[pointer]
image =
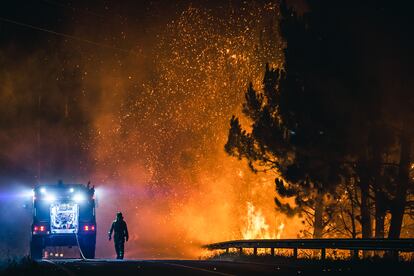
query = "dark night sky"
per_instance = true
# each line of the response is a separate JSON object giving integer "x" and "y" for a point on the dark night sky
{"x": 112, "y": 28}
{"x": 65, "y": 16}
{"x": 100, "y": 21}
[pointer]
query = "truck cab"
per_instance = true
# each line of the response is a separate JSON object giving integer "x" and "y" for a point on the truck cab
{"x": 63, "y": 215}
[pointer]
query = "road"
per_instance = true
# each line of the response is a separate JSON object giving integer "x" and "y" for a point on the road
{"x": 73, "y": 267}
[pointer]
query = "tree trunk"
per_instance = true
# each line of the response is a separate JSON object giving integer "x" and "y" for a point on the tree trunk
{"x": 399, "y": 203}
{"x": 365, "y": 207}
{"x": 379, "y": 216}
{"x": 380, "y": 212}
{"x": 380, "y": 197}
{"x": 354, "y": 231}
{"x": 318, "y": 220}
{"x": 352, "y": 196}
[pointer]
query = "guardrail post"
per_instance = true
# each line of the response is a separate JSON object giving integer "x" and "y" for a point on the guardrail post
{"x": 323, "y": 254}
{"x": 396, "y": 255}
{"x": 272, "y": 251}
{"x": 240, "y": 251}
{"x": 295, "y": 253}
{"x": 255, "y": 251}
{"x": 227, "y": 250}
{"x": 355, "y": 254}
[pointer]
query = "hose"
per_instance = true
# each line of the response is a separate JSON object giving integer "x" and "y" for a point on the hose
{"x": 79, "y": 247}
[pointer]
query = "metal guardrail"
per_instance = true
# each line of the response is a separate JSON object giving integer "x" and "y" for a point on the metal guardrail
{"x": 355, "y": 245}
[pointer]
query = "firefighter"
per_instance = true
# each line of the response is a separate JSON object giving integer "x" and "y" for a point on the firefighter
{"x": 120, "y": 229}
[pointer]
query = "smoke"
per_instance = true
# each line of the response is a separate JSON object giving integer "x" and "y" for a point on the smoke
{"x": 163, "y": 134}
{"x": 42, "y": 137}
{"x": 15, "y": 218}
{"x": 147, "y": 126}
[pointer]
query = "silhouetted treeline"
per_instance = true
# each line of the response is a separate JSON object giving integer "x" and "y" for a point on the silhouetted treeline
{"x": 337, "y": 120}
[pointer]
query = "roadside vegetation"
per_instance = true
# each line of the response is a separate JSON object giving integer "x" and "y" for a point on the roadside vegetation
{"x": 21, "y": 266}
{"x": 310, "y": 262}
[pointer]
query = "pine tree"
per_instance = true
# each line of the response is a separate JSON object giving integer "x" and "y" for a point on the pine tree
{"x": 335, "y": 113}
{"x": 296, "y": 153}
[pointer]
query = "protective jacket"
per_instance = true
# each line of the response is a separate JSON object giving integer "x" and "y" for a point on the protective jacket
{"x": 120, "y": 229}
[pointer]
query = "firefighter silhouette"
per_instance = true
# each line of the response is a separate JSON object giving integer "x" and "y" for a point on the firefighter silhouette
{"x": 120, "y": 229}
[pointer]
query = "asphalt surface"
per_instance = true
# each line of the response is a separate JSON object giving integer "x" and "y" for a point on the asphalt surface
{"x": 73, "y": 267}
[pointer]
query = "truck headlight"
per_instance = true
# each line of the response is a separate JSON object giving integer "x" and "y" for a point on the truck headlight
{"x": 50, "y": 197}
{"x": 79, "y": 197}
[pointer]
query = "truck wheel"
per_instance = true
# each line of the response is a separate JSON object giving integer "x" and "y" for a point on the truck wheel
{"x": 36, "y": 248}
{"x": 88, "y": 247}
{"x": 90, "y": 252}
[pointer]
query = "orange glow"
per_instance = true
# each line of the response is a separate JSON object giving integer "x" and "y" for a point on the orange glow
{"x": 159, "y": 141}
{"x": 256, "y": 226}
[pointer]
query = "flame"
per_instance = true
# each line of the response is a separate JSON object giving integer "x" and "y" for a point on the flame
{"x": 256, "y": 226}
{"x": 280, "y": 230}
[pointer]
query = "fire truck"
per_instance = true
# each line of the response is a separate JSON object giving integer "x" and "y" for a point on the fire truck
{"x": 63, "y": 215}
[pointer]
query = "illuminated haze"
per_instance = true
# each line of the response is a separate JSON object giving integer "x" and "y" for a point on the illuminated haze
{"x": 144, "y": 116}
